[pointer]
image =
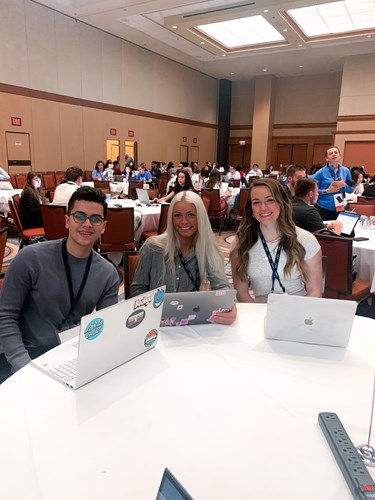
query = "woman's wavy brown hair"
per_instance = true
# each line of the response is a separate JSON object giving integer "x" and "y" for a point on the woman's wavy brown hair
{"x": 248, "y": 232}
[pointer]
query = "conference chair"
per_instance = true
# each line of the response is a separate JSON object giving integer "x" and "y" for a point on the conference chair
{"x": 162, "y": 187}
{"x": 162, "y": 223}
{"x": 339, "y": 282}
{"x": 53, "y": 217}
{"x": 25, "y": 234}
{"x": 49, "y": 183}
{"x": 366, "y": 199}
{"x": 119, "y": 231}
{"x": 240, "y": 210}
{"x": 13, "y": 179}
{"x": 59, "y": 178}
{"x": 103, "y": 186}
{"x": 152, "y": 193}
{"x": 130, "y": 260}
{"x": 207, "y": 204}
{"x": 361, "y": 208}
{"x": 3, "y": 243}
{"x": 215, "y": 212}
{"x": 20, "y": 181}
{"x": 87, "y": 175}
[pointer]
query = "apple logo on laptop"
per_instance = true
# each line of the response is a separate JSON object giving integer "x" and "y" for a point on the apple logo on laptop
{"x": 308, "y": 321}
{"x": 196, "y": 309}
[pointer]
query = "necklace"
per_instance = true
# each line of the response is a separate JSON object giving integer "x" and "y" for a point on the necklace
{"x": 274, "y": 240}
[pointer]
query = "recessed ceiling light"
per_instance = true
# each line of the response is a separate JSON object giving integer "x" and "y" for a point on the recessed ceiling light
{"x": 265, "y": 69}
{"x": 300, "y": 66}
{"x": 300, "y": 45}
{"x": 265, "y": 10}
{"x": 368, "y": 36}
{"x": 285, "y": 30}
{"x": 174, "y": 27}
{"x": 232, "y": 73}
{"x": 202, "y": 43}
{"x": 224, "y": 55}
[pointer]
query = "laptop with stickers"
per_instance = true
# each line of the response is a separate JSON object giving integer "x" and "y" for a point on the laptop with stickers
{"x": 195, "y": 308}
{"x": 107, "y": 339}
{"x": 309, "y": 320}
{"x": 144, "y": 197}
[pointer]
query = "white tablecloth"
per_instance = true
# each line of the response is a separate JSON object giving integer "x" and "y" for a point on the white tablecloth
{"x": 5, "y": 195}
{"x": 364, "y": 263}
{"x": 232, "y": 415}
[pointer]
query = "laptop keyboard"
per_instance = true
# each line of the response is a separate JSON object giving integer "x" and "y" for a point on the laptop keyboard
{"x": 66, "y": 371}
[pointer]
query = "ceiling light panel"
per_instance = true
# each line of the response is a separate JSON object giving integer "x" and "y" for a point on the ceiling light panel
{"x": 242, "y": 32}
{"x": 337, "y": 17}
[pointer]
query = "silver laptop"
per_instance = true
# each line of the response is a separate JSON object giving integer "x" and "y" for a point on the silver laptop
{"x": 195, "y": 308}
{"x": 309, "y": 320}
{"x": 107, "y": 339}
{"x": 144, "y": 197}
{"x": 171, "y": 489}
{"x": 6, "y": 185}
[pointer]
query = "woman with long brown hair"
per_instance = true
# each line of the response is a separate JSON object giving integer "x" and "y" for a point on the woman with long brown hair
{"x": 31, "y": 198}
{"x": 270, "y": 253}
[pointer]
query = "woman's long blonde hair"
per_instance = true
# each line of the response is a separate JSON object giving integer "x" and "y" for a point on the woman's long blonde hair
{"x": 248, "y": 232}
{"x": 209, "y": 256}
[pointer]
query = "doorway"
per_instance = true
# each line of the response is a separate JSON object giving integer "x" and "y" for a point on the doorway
{"x": 184, "y": 154}
{"x": 113, "y": 149}
{"x": 131, "y": 148}
{"x": 18, "y": 152}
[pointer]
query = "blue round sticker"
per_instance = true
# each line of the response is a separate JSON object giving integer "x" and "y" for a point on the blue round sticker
{"x": 159, "y": 298}
{"x": 94, "y": 329}
{"x": 135, "y": 318}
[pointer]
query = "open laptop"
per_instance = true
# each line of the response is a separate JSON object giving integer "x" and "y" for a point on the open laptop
{"x": 171, "y": 489}
{"x": 309, "y": 320}
{"x": 6, "y": 185}
{"x": 195, "y": 308}
{"x": 144, "y": 197}
{"x": 107, "y": 339}
{"x": 349, "y": 221}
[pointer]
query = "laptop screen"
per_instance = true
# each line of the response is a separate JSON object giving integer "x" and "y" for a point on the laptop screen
{"x": 171, "y": 489}
{"x": 349, "y": 220}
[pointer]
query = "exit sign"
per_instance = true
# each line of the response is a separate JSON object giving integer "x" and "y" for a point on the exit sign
{"x": 16, "y": 122}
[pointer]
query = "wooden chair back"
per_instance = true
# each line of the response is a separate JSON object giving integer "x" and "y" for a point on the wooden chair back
{"x": 236, "y": 183}
{"x": 163, "y": 218}
{"x": 20, "y": 181}
{"x": 361, "y": 208}
{"x": 13, "y": 179}
{"x": 214, "y": 196}
{"x": 131, "y": 260}
{"x": 103, "y": 185}
{"x": 87, "y": 175}
{"x": 53, "y": 217}
{"x": 49, "y": 181}
{"x": 59, "y": 178}
{"x": 207, "y": 204}
{"x": 152, "y": 193}
{"x": 366, "y": 199}
{"x": 162, "y": 186}
{"x": 119, "y": 230}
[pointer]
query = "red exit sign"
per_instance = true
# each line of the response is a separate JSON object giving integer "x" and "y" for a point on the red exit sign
{"x": 17, "y": 122}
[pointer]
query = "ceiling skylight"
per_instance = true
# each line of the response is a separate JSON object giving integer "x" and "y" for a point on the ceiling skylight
{"x": 236, "y": 33}
{"x": 336, "y": 17}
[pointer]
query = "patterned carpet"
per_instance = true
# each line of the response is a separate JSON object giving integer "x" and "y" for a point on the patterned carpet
{"x": 224, "y": 241}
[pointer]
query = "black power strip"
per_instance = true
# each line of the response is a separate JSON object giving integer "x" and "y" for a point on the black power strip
{"x": 355, "y": 473}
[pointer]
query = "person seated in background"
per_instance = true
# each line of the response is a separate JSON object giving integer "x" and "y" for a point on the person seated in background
{"x": 233, "y": 174}
{"x": 214, "y": 182}
{"x": 315, "y": 168}
{"x": 269, "y": 169}
{"x": 183, "y": 183}
{"x": 305, "y": 215}
{"x": 128, "y": 174}
{"x": 357, "y": 178}
{"x": 155, "y": 169}
{"x": 369, "y": 190}
{"x": 182, "y": 256}
{"x": 4, "y": 176}
{"x": 97, "y": 173}
{"x": 293, "y": 173}
{"x": 116, "y": 168}
{"x": 31, "y": 198}
{"x": 50, "y": 286}
{"x": 200, "y": 178}
{"x": 143, "y": 174}
{"x": 108, "y": 172}
{"x": 254, "y": 172}
{"x": 362, "y": 171}
{"x": 270, "y": 252}
{"x": 71, "y": 182}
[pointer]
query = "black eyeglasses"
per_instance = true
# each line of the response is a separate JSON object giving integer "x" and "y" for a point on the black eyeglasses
{"x": 81, "y": 217}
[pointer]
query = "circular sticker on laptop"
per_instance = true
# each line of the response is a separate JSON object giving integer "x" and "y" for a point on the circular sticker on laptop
{"x": 159, "y": 298}
{"x": 151, "y": 338}
{"x": 94, "y": 329}
{"x": 135, "y": 318}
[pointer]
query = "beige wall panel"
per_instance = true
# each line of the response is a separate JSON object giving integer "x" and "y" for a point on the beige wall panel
{"x": 308, "y": 131}
{"x": 45, "y": 139}
{"x": 96, "y": 125}
{"x": 358, "y": 86}
{"x": 111, "y": 67}
{"x": 14, "y": 64}
{"x": 72, "y": 145}
{"x": 91, "y": 63}
{"x": 307, "y": 99}
{"x": 242, "y": 102}
{"x": 68, "y": 56}
{"x": 41, "y": 47}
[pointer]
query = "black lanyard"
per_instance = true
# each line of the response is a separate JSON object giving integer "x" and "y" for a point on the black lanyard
{"x": 73, "y": 300}
{"x": 334, "y": 175}
{"x": 197, "y": 280}
{"x": 274, "y": 265}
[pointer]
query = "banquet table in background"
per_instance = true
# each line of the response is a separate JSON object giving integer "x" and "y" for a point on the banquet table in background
{"x": 232, "y": 415}
{"x": 5, "y": 196}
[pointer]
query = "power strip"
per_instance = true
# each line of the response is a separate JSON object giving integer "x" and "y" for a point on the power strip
{"x": 355, "y": 473}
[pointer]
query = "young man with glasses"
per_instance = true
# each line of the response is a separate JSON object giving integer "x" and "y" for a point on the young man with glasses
{"x": 49, "y": 286}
